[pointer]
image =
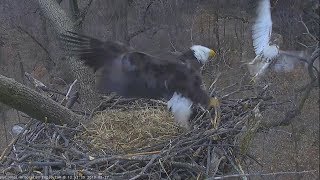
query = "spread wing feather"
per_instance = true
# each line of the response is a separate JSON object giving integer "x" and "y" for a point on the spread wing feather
{"x": 93, "y": 52}
{"x": 262, "y": 28}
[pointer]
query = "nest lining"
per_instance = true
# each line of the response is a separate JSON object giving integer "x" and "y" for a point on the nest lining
{"x": 122, "y": 131}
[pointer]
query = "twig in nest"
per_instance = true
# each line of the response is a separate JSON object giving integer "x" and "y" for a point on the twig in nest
{"x": 146, "y": 167}
{"x": 193, "y": 167}
{"x": 164, "y": 169}
{"x": 211, "y": 87}
{"x": 67, "y": 96}
{"x": 8, "y": 149}
{"x": 41, "y": 164}
{"x": 234, "y": 162}
{"x": 70, "y": 88}
{"x": 72, "y": 100}
{"x": 262, "y": 174}
{"x": 216, "y": 159}
{"x": 237, "y": 90}
{"x": 158, "y": 102}
{"x": 101, "y": 105}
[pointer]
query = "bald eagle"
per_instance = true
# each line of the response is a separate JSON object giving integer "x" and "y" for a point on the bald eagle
{"x": 266, "y": 52}
{"x": 195, "y": 57}
{"x": 121, "y": 69}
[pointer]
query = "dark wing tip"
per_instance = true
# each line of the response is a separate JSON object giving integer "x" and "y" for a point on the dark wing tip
{"x": 90, "y": 50}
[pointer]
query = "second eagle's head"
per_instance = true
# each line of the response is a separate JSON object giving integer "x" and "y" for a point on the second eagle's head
{"x": 202, "y": 53}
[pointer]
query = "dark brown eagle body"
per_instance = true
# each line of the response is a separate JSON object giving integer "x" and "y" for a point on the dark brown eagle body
{"x": 135, "y": 74}
{"x": 186, "y": 57}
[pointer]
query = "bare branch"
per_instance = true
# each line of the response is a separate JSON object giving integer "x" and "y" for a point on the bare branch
{"x": 136, "y": 33}
{"x": 37, "y": 42}
{"x": 70, "y": 100}
{"x": 10, "y": 146}
{"x": 83, "y": 14}
{"x": 212, "y": 86}
{"x": 74, "y": 9}
{"x": 34, "y": 104}
{"x": 70, "y": 88}
{"x": 35, "y": 82}
{"x": 307, "y": 29}
{"x": 39, "y": 85}
{"x": 146, "y": 11}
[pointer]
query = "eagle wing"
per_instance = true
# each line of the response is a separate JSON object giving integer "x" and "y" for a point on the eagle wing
{"x": 261, "y": 34}
{"x": 185, "y": 57}
{"x": 146, "y": 76}
{"x": 288, "y": 61}
{"x": 116, "y": 68}
{"x": 93, "y": 52}
{"x": 262, "y": 28}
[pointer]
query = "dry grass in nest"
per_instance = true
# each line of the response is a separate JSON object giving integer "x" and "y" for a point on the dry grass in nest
{"x": 124, "y": 130}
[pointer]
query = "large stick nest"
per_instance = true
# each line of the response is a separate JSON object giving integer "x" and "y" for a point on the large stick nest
{"x": 138, "y": 139}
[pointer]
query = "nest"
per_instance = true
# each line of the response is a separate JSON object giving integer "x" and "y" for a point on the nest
{"x": 122, "y": 131}
{"x": 136, "y": 139}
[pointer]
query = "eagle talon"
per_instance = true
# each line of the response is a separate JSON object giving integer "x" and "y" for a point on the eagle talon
{"x": 214, "y": 102}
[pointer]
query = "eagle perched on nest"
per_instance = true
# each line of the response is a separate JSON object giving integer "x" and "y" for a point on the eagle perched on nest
{"x": 119, "y": 68}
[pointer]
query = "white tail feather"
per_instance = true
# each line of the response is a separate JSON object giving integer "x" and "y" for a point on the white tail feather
{"x": 181, "y": 108}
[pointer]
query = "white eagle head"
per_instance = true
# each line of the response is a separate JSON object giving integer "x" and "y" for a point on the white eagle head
{"x": 202, "y": 53}
{"x": 180, "y": 107}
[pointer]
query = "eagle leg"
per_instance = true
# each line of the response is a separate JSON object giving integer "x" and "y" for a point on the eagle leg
{"x": 214, "y": 102}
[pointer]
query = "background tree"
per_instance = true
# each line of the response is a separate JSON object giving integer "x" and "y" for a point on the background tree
{"x": 62, "y": 23}
{"x": 119, "y": 23}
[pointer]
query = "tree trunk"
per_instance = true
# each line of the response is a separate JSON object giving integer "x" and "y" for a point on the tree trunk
{"x": 34, "y": 104}
{"x": 62, "y": 23}
{"x": 119, "y": 20}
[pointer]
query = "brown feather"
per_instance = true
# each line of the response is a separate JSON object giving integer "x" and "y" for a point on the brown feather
{"x": 186, "y": 57}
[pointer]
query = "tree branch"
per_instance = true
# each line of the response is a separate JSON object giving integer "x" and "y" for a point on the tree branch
{"x": 136, "y": 33}
{"x": 34, "y": 104}
{"x": 57, "y": 16}
{"x": 74, "y": 8}
{"x": 83, "y": 14}
{"x": 37, "y": 42}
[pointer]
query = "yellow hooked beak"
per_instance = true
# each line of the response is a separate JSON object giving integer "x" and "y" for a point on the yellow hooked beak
{"x": 212, "y": 53}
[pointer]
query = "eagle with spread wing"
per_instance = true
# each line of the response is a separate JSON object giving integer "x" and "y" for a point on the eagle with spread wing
{"x": 268, "y": 54}
{"x": 121, "y": 69}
